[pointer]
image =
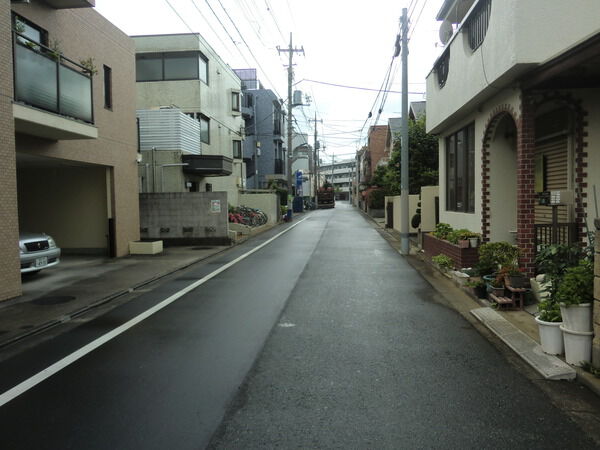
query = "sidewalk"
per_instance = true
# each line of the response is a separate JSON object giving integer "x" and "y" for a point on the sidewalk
{"x": 517, "y": 329}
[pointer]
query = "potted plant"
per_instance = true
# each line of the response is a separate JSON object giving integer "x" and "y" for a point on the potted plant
{"x": 575, "y": 295}
{"x": 477, "y": 287}
{"x": 549, "y": 322}
{"x": 496, "y": 286}
{"x": 474, "y": 239}
{"x": 442, "y": 230}
{"x": 514, "y": 277}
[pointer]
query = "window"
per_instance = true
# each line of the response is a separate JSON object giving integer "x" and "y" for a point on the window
{"x": 460, "y": 170}
{"x": 30, "y": 30}
{"x": 235, "y": 101}
{"x": 107, "y": 87}
{"x": 171, "y": 66}
{"x": 478, "y": 23}
{"x": 237, "y": 149}
{"x": 204, "y": 128}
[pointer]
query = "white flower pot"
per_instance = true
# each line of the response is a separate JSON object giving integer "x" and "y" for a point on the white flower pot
{"x": 577, "y": 317}
{"x": 578, "y": 346}
{"x": 551, "y": 337}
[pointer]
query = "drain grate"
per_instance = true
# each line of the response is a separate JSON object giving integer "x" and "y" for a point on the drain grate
{"x": 53, "y": 300}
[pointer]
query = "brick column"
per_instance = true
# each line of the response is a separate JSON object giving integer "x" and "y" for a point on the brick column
{"x": 526, "y": 184}
{"x": 596, "y": 304}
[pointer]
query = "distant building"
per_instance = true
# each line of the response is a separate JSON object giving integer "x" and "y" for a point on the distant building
{"x": 340, "y": 175}
{"x": 264, "y": 124}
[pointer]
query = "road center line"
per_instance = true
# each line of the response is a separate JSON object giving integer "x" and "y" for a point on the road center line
{"x": 29, "y": 383}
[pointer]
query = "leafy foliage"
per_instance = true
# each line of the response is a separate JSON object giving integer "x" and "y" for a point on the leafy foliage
{"x": 443, "y": 261}
{"x": 442, "y": 230}
{"x": 494, "y": 255}
{"x": 377, "y": 199}
{"x": 577, "y": 285}
{"x": 549, "y": 311}
{"x": 423, "y": 162}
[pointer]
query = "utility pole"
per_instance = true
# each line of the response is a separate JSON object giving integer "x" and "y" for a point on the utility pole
{"x": 291, "y": 50}
{"x": 315, "y": 165}
{"x": 404, "y": 184}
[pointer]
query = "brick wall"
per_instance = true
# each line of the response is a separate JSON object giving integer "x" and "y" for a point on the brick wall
{"x": 10, "y": 277}
{"x": 377, "y": 141}
{"x": 462, "y": 257}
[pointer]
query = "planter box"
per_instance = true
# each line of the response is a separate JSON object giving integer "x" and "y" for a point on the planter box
{"x": 145, "y": 248}
{"x": 462, "y": 257}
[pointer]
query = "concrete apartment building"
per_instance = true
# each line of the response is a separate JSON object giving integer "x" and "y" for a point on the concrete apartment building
{"x": 68, "y": 154}
{"x": 265, "y": 128}
{"x": 340, "y": 175}
{"x": 182, "y": 71}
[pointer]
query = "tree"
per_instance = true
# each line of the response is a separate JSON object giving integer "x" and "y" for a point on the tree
{"x": 423, "y": 162}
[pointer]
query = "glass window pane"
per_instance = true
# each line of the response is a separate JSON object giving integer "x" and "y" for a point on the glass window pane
{"x": 450, "y": 174}
{"x": 204, "y": 130}
{"x": 148, "y": 68}
{"x": 460, "y": 171}
{"x": 181, "y": 67}
{"x": 471, "y": 168}
{"x": 203, "y": 69}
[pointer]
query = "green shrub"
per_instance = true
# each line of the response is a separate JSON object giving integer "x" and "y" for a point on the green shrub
{"x": 442, "y": 230}
{"x": 494, "y": 255}
{"x": 377, "y": 199}
{"x": 549, "y": 311}
{"x": 443, "y": 261}
{"x": 577, "y": 285}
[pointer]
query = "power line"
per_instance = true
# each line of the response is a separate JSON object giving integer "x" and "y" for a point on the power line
{"x": 356, "y": 87}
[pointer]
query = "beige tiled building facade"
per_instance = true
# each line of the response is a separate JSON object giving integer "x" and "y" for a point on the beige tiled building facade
{"x": 68, "y": 140}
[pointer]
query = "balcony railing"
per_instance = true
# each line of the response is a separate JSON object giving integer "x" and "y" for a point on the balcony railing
{"x": 47, "y": 80}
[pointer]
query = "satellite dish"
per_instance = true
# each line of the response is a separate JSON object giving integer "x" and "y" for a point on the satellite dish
{"x": 446, "y": 31}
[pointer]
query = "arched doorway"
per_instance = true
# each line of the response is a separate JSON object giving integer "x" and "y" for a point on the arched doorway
{"x": 502, "y": 166}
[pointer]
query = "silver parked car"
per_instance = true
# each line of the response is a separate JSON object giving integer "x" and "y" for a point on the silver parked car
{"x": 38, "y": 251}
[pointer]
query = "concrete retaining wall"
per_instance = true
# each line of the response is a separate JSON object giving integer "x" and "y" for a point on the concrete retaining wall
{"x": 266, "y": 202}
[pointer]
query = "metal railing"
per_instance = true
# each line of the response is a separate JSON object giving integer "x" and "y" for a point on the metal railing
{"x": 547, "y": 234}
{"x": 478, "y": 23}
{"x": 46, "y": 79}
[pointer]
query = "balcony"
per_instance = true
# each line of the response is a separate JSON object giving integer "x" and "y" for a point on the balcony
{"x": 208, "y": 165}
{"x": 53, "y": 95}
{"x": 495, "y": 45}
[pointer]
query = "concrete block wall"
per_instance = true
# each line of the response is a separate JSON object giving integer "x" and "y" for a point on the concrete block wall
{"x": 184, "y": 217}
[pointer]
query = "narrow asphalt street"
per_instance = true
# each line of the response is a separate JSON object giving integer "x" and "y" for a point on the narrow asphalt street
{"x": 322, "y": 337}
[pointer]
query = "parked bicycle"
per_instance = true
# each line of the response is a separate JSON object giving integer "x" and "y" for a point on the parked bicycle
{"x": 245, "y": 215}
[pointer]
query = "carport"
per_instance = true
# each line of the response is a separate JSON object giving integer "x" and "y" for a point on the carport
{"x": 69, "y": 200}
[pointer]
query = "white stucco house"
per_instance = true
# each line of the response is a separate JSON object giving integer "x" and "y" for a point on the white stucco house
{"x": 514, "y": 98}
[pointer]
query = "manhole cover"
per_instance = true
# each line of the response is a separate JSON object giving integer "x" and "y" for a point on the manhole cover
{"x": 201, "y": 248}
{"x": 53, "y": 300}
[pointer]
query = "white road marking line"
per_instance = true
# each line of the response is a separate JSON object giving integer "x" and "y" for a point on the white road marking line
{"x": 36, "y": 379}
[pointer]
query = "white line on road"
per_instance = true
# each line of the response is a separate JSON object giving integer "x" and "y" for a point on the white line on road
{"x": 70, "y": 359}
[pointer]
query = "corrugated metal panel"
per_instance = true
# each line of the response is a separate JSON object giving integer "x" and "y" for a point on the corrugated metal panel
{"x": 169, "y": 129}
{"x": 556, "y": 153}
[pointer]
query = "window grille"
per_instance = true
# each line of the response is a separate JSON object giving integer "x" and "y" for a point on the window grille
{"x": 441, "y": 68}
{"x": 478, "y": 23}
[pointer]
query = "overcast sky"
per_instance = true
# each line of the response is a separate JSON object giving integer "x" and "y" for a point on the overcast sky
{"x": 346, "y": 42}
